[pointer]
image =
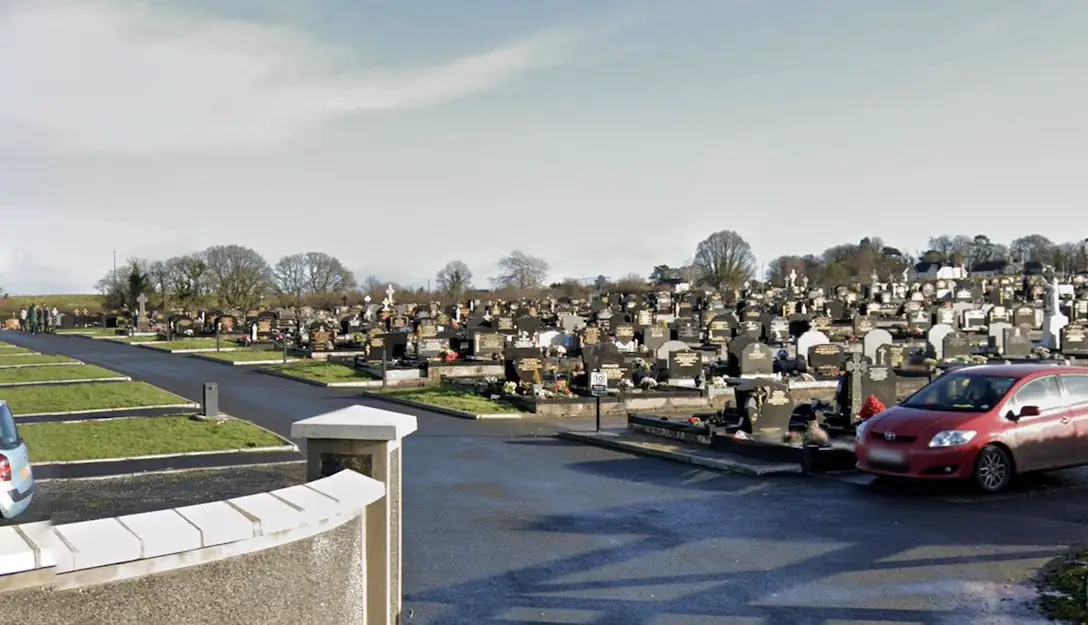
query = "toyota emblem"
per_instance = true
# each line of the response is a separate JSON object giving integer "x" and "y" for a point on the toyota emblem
{"x": 889, "y": 436}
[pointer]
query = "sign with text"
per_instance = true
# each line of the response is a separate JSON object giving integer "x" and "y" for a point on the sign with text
{"x": 598, "y": 383}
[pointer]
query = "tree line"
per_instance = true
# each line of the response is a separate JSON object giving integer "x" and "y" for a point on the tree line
{"x": 234, "y": 276}
{"x": 724, "y": 260}
{"x": 238, "y": 277}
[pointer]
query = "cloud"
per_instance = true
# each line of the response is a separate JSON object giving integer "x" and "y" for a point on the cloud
{"x": 106, "y": 76}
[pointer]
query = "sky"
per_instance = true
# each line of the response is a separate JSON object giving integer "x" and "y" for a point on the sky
{"x": 606, "y": 137}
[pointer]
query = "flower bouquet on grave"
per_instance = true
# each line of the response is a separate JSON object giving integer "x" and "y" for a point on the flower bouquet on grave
{"x": 648, "y": 382}
{"x": 696, "y": 422}
{"x": 449, "y": 355}
{"x": 640, "y": 365}
{"x": 626, "y": 384}
{"x": 870, "y": 408}
{"x": 792, "y": 438}
{"x": 510, "y": 387}
{"x": 562, "y": 389}
{"x": 718, "y": 381}
{"x": 815, "y": 435}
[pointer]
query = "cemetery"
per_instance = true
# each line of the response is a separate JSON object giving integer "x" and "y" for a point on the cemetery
{"x": 78, "y": 412}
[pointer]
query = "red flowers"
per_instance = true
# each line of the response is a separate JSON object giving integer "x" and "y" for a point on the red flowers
{"x": 871, "y": 407}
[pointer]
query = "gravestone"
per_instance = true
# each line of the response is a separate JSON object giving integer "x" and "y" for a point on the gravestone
{"x": 488, "y": 345}
{"x": 142, "y": 322}
{"x": 1024, "y": 316}
{"x": 919, "y": 321}
{"x": 767, "y": 408}
{"x": 873, "y": 340}
{"x": 687, "y": 332}
{"x": 935, "y": 339}
{"x": 591, "y": 335}
{"x": 1074, "y": 341}
{"x": 973, "y": 320}
{"x": 654, "y": 337}
{"x": 757, "y": 359}
{"x": 1017, "y": 342}
{"x": 863, "y": 324}
{"x": 524, "y": 365}
{"x": 684, "y": 366}
{"x": 996, "y": 340}
{"x": 718, "y": 332}
{"x": 946, "y": 317}
{"x": 504, "y": 324}
{"x": 955, "y": 345}
{"x": 862, "y": 380}
{"x": 810, "y": 339}
{"x": 266, "y": 326}
{"x": 825, "y": 358}
{"x": 778, "y": 330}
{"x": 431, "y": 347}
{"x": 666, "y": 348}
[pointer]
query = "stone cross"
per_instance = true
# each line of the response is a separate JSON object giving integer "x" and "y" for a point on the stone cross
{"x": 856, "y": 367}
{"x": 791, "y": 279}
{"x": 142, "y": 301}
{"x": 1053, "y": 307}
{"x": 389, "y": 291}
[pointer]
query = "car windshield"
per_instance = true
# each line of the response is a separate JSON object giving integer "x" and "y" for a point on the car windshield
{"x": 9, "y": 436}
{"x": 961, "y": 393}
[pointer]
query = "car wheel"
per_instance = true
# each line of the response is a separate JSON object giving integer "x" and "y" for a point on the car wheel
{"x": 993, "y": 469}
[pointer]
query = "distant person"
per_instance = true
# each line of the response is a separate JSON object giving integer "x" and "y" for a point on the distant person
{"x": 33, "y": 319}
{"x": 22, "y": 319}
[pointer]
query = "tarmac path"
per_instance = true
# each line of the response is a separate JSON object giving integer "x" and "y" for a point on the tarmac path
{"x": 505, "y": 525}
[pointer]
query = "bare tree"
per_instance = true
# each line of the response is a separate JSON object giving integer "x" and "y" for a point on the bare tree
{"x": 326, "y": 274}
{"x": 521, "y": 271}
{"x": 240, "y": 276}
{"x": 631, "y": 283}
{"x": 1033, "y": 247}
{"x": 725, "y": 260}
{"x": 454, "y": 279}
{"x": 188, "y": 277}
{"x": 160, "y": 280}
{"x": 289, "y": 276}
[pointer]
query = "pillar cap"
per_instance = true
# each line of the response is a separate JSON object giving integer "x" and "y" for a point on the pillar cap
{"x": 359, "y": 423}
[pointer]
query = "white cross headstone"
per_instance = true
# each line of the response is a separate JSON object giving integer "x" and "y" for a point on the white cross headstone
{"x": 389, "y": 291}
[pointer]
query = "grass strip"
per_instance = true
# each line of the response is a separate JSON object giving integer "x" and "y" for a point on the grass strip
{"x": 452, "y": 398}
{"x": 139, "y": 436}
{"x": 322, "y": 372}
{"x": 35, "y": 359}
{"x": 201, "y": 343}
{"x": 250, "y": 355}
{"x": 60, "y": 373}
{"x": 90, "y": 396}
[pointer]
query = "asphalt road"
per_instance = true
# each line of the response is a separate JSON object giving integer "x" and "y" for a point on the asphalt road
{"x": 506, "y": 526}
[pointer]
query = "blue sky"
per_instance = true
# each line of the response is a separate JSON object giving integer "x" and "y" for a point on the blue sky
{"x": 605, "y": 136}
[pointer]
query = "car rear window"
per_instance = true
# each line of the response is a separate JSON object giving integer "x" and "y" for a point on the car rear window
{"x": 9, "y": 434}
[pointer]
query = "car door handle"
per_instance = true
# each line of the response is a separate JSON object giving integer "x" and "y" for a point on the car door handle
{"x": 1066, "y": 420}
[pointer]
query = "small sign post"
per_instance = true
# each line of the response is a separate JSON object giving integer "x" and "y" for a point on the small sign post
{"x": 598, "y": 386}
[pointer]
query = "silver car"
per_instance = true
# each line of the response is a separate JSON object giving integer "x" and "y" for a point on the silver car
{"x": 16, "y": 477}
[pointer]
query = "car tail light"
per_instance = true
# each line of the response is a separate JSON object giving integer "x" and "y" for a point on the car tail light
{"x": 5, "y": 469}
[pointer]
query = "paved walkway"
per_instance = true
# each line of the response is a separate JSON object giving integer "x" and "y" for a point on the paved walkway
{"x": 505, "y": 525}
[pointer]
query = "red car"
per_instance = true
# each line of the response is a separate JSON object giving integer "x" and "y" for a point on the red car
{"x": 985, "y": 424}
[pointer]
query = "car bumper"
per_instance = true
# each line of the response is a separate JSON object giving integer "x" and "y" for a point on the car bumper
{"x": 13, "y": 503}
{"x": 920, "y": 463}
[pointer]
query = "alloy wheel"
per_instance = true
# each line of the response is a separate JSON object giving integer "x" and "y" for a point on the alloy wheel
{"x": 993, "y": 469}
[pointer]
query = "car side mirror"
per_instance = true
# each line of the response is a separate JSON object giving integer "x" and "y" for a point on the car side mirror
{"x": 1012, "y": 416}
{"x": 1030, "y": 411}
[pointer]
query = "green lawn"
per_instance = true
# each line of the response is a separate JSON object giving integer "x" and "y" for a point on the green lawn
{"x": 322, "y": 371}
{"x": 90, "y": 396}
{"x": 139, "y": 436}
{"x": 248, "y": 355}
{"x": 202, "y": 343}
{"x": 14, "y": 350}
{"x": 55, "y": 374}
{"x": 134, "y": 339}
{"x": 453, "y": 398}
{"x": 34, "y": 359}
{"x": 89, "y": 332}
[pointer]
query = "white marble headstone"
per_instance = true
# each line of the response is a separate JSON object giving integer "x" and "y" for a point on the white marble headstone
{"x": 935, "y": 338}
{"x": 810, "y": 339}
{"x": 874, "y": 339}
{"x": 996, "y": 332}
